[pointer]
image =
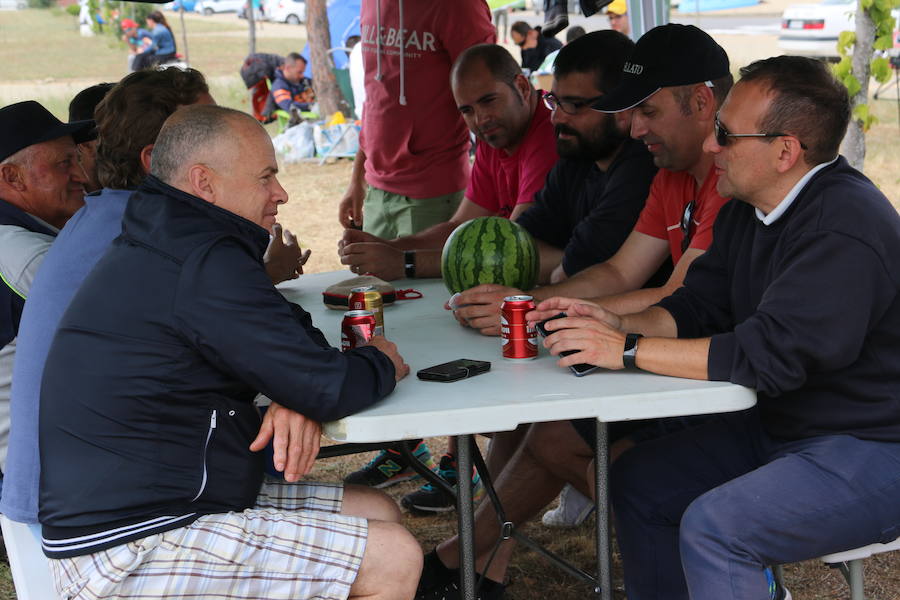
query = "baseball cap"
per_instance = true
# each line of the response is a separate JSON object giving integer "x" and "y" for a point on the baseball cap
{"x": 128, "y": 24}
{"x": 28, "y": 123}
{"x": 617, "y": 7}
{"x": 666, "y": 56}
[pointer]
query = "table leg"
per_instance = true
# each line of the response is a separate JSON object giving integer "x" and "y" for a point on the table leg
{"x": 601, "y": 495}
{"x": 466, "y": 516}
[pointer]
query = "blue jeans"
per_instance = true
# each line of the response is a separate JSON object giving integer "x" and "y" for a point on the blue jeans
{"x": 700, "y": 513}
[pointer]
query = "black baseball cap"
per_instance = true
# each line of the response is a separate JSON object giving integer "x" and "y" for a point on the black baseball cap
{"x": 28, "y": 123}
{"x": 666, "y": 56}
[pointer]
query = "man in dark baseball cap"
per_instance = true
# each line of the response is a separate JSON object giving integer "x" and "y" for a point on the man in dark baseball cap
{"x": 40, "y": 188}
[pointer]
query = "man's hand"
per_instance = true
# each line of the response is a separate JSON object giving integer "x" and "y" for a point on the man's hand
{"x": 586, "y": 330}
{"x": 350, "y": 213}
{"x": 390, "y": 349}
{"x": 479, "y": 307}
{"x": 351, "y": 236}
{"x": 296, "y": 440}
{"x": 284, "y": 258}
{"x": 377, "y": 258}
{"x": 572, "y": 306}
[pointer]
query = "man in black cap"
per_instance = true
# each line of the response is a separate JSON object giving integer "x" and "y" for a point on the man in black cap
{"x": 41, "y": 186}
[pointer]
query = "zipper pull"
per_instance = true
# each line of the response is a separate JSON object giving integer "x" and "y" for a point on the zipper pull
{"x": 212, "y": 421}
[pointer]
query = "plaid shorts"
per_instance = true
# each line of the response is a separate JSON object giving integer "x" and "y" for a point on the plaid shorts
{"x": 293, "y": 544}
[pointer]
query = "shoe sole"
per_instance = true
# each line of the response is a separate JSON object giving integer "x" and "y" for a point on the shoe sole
{"x": 395, "y": 481}
{"x": 428, "y": 510}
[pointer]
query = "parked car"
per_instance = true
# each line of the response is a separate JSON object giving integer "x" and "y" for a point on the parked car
{"x": 209, "y": 7}
{"x": 188, "y": 5}
{"x": 813, "y": 29}
{"x": 292, "y": 12}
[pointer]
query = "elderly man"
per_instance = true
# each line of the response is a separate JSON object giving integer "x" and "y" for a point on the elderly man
{"x": 513, "y": 158}
{"x": 797, "y": 297}
{"x": 41, "y": 186}
{"x": 149, "y": 438}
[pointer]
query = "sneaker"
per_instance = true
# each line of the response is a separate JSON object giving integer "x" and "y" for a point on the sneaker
{"x": 556, "y": 17}
{"x": 389, "y": 468}
{"x": 592, "y": 7}
{"x": 449, "y": 590}
{"x": 574, "y": 507}
{"x": 434, "y": 572}
{"x": 776, "y": 590}
{"x": 429, "y": 499}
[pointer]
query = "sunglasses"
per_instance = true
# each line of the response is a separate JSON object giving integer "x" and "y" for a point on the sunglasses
{"x": 723, "y": 134}
{"x": 570, "y": 107}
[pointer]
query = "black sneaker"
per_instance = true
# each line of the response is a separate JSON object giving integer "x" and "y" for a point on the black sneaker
{"x": 434, "y": 573}
{"x": 429, "y": 499}
{"x": 489, "y": 590}
{"x": 389, "y": 467}
{"x": 592, "y": 7}
{"x": 556, "y": 17}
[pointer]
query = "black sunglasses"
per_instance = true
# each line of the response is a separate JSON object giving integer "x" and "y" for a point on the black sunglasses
{"x": 723, "y": 134}
{"x": 570, "y": 107}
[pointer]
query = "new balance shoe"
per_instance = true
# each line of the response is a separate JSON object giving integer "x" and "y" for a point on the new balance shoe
{"x": 556, "y": 17}
{"x": 429, "y": 500}
{"x": 574, "y": 507}
{"x": 776, "y": 590}
{"x": 389, "y": 468}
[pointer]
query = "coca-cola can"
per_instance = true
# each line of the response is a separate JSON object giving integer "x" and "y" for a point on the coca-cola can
{"x": 357, "y": 328}
{"x": 519, "y": 340}
{"x": 368, "y": 298}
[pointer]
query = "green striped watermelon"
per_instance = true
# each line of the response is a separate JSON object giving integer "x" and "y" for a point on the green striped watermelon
{"x": 489, "y": 250}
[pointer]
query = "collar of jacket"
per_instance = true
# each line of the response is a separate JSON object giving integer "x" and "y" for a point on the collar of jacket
{"x": 13, "y": 215}
{"x": 256, "y": 234}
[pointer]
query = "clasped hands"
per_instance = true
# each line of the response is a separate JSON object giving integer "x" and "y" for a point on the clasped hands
{"x": 366, "y": 253}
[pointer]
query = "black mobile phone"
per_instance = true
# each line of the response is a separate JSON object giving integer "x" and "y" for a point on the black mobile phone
{"x": 580, "y": 369}
{"x": 454, "y": 370}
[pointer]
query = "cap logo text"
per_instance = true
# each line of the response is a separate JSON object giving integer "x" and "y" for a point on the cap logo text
{"x": 633, "y": 68}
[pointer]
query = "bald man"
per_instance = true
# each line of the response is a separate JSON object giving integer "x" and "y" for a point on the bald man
{"x": 149, "y": 437}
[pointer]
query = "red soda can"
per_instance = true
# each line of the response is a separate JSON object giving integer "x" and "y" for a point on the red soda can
{"x": 357, "y": 328}
{"x": 519, "y": 340}
{"x": 368, "y": 298}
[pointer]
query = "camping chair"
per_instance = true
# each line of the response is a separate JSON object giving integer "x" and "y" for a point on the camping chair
{"x": 27, "y": 563}
{"x": 850, "y": 564}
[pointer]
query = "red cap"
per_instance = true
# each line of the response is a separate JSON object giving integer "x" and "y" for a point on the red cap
{"x": 128, "y": 24}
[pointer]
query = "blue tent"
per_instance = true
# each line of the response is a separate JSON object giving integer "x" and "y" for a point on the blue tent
{"x": 343, "y": 22}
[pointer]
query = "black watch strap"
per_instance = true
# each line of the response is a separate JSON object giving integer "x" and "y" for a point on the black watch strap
{"x": 629, "y": 354}
{"x": 409, "y": 264}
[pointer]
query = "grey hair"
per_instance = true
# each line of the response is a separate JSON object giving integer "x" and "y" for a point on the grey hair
{"x": 191, "y": 132}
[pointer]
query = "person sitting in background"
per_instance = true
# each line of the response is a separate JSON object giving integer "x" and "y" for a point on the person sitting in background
{"x": 82, "y": 108}
{"x": 534, "y": 46}
{"x": 163, "y": 47}
{"x": 257, "y": 71}
{"x": 142, "y": 367}
{"x": 291, "y": 90}
{"x": 137, "y": 39}
{"x": 546, "y": 67}
{"x": 617, "y": 13}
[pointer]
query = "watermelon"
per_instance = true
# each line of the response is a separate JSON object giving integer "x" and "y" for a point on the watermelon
{"x": 489, "y": 250}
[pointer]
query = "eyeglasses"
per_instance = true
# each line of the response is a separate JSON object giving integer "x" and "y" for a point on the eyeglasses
{"x": 570, "y": 107}
{"x": 687, "y": 226}
{"x": 723, "y": 134}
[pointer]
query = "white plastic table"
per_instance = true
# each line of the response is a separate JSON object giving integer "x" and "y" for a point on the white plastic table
{"x": 511, "y": 394}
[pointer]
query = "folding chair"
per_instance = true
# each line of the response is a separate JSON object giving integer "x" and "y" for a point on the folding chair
{"x": 850, "y": 563}
{"x": 27, "y": 563}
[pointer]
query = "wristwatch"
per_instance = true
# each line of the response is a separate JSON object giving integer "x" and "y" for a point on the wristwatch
{"x": 629, "y": 354}
{"x": 409, "y": 263}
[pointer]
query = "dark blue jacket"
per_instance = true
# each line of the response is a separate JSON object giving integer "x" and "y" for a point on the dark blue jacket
{"x": 11, "y": 300}
{"x": 147, "y": 397}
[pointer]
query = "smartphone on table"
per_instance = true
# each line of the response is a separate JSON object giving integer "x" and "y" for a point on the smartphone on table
{"x": 454, "y": 370}
{"x": 580, "y": 369}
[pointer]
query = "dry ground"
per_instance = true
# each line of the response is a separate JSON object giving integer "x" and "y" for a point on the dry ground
{"x": 42, "y": 57}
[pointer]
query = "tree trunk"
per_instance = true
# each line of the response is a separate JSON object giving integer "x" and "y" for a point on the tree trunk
{"x": 328, "y": 93}
{"x": 251, "y": 22}
{"x": 854, "y": 145}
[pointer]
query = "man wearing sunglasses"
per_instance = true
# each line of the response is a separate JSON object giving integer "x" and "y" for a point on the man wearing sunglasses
{"x": 798, "y": 298}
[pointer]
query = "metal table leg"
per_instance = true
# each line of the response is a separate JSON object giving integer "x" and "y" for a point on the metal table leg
{"x": 466, "y": 516}
{"x": 601, "y": 497}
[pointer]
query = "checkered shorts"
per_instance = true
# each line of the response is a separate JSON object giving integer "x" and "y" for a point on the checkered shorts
{"x": 291, "y": 545}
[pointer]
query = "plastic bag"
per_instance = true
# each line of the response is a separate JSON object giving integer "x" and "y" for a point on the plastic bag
{"x": 338, "y": 140}
{"x": 296, "y": 143}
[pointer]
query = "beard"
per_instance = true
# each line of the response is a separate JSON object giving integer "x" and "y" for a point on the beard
{"x": 599, "y": 144}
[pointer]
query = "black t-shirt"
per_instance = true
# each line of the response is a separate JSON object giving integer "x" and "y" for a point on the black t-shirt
{"x": 588, "y": 212}
{"x": 534, "y": 57}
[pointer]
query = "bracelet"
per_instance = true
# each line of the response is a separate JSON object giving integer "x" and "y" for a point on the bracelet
{"x": 629, "y": 354}
{"x": 409, "y": 264}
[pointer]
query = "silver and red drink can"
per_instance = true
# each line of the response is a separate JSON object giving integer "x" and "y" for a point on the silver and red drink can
{"x": 519, "y": 340}
{"x": 357, "y": 328}
{"x": 368, "y": 298}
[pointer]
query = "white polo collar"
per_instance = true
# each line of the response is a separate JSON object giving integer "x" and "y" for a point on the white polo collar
{"x": 768, "y": 219}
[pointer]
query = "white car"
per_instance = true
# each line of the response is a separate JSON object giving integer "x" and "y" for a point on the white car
{"x": 813, "y": 29}
{"x": 292, "y": 12}
{"x": 209, "y": 7}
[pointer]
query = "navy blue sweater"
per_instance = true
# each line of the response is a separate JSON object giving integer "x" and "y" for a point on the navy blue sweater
{"x": 147, "y": 396}
{"x": 805, "y": 310}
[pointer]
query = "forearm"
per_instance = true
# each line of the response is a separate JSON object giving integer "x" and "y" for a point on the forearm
{"x": 634, "y": 301}
{"x": 432, "y": 238}
{"x": 674, "y": 357}
{"x": 358, "y": 174}
{"x": 428, "y": 263}
{"x": 597, "y": 280}
{"x": 653, "y": 322}
{"x": 550, "y": 256}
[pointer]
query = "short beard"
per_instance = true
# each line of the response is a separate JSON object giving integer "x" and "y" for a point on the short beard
{"x": 601, "y": 145}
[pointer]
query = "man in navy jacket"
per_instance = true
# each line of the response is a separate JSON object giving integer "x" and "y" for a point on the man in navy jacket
{"x": 798, "y": 298}
{"x": 151, "y": 479}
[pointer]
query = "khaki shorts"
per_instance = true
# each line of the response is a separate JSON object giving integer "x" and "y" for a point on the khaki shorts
{"x": 291, "y": 545}
{"x": 390, "y": 215}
